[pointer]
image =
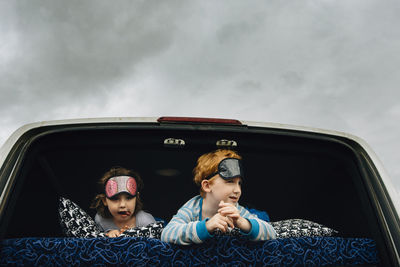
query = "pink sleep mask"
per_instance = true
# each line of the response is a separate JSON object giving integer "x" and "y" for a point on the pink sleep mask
{"x": 120, "y": 184}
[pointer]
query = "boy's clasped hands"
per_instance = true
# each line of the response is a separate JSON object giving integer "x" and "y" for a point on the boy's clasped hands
{"x": 227, "y": 216}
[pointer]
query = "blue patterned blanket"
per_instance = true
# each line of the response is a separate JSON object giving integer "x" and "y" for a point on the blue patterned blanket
{"x": 221, "y": 251}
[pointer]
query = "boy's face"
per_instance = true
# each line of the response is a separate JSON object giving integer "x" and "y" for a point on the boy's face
{"x": 226, "y": 190}
{"x": 121, "y": 206}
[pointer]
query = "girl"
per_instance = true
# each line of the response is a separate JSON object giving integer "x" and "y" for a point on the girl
{"x": 119, "y": 206}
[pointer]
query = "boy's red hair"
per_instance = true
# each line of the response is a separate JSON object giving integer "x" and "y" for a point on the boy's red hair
{"x": 207, "y": 164}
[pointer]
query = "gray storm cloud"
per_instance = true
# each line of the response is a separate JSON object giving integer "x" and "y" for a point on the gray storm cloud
{"x": 326, "y": 64}
{"x": 66, "y": 51}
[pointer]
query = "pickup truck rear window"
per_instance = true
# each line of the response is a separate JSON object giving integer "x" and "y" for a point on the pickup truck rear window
{"x": 287, "y": 176}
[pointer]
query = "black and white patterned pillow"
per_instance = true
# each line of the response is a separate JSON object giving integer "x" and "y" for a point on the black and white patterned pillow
{"x": 230, "y": 232}
{"x": 300, "y": 228}
{"x": 75, "y": 222}
{"x": 152, "y": 230}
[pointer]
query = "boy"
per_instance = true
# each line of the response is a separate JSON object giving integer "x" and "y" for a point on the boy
{"x": 219, "y": 175}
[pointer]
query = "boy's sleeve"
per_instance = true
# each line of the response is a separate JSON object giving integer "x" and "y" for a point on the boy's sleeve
{"x": 182, "y": 230}
{"x": 260, "y": 229}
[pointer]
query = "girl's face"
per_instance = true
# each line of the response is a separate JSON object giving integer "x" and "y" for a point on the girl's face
{"x": 121, "y": 206}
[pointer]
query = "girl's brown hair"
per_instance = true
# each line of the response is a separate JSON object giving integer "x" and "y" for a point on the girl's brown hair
{"x": 207, "y": 164}
{"x": 97, "y": 202}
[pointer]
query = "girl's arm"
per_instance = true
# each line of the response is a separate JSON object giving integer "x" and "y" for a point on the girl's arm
{"x": 113, "y": 233}
{"x": 144, "y": 218}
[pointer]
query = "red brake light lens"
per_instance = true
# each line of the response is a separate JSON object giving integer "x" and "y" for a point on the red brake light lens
{"x": 198, "y": 120}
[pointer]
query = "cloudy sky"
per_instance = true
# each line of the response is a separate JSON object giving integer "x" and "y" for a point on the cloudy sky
{"x": 332, "y": 64}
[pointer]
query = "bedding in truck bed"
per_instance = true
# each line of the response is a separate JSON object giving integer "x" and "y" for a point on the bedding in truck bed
{"x": 310, "y": 251}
